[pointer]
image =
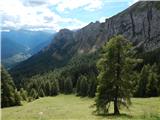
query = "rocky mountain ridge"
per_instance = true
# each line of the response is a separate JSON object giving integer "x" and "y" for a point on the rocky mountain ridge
{"x": 139, "y": 24}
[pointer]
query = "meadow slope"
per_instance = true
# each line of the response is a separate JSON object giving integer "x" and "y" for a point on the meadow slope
{"x": 70, "y": 107}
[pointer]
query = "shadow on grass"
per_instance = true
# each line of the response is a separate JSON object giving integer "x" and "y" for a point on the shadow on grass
{"x": 114, "y": 116}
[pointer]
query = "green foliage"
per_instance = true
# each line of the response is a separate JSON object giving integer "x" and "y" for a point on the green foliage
{"x": 86, "y": 85}
{"x": 9, "y": 94}
{"x": 54, "y": 88}
{"x": 115, "y": 67}
{"x": 78, "y": 66}
{"x": 78, "y": 86}
{"x": 92, "y": 85}
{"x": 34, "y": 94}
{"x": 152, "y": 88}
{"x": 150, "y": 57}
{"x": 23, "y": 94}
{"x": 157, "y": 5}
{"x": 68, "y": 86}
{"x": 148, "y": 84}
{"x": 143, "y": 79}
{"x": 45, "y": 85}
{"x": 41, "y": 93}
{"x": 61, "y": 84}
{"x": 48, "y": 88}
{"x": 17, "y": 98}
{"x": 83, "y": 86}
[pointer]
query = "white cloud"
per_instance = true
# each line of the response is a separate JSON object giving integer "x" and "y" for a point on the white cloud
{"x": 74, "y": 24}
{"x": 74, "y": 4}
{"x": 94, "y": 4}
{"x": 33, "y": 16}
{"x": 37, "y": 15}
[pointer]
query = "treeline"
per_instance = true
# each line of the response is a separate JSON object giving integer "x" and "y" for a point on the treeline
{"x": 51, "y": 85}
{"x": 79, "y": 77}
{"x": 42, "y": 85}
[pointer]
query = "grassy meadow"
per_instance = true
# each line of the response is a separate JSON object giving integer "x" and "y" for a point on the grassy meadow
{"x": 70, "y": 107}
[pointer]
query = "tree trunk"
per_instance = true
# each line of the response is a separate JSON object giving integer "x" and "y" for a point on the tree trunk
{"x": 116, "y": 109}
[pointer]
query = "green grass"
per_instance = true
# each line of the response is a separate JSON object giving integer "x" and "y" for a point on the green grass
{"x": 70, "y": 107}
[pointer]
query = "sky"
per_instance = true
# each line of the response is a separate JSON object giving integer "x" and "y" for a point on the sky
{"x": 53, "y": 15}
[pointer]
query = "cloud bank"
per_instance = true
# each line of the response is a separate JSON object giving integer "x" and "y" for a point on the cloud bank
{"x": 44, "y": 14}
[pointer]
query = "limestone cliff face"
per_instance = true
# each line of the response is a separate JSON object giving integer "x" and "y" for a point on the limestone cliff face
{"x": 140, "y": 23}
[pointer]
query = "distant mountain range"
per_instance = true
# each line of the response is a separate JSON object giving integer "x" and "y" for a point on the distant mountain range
{"x": 18, "y": 45}
{"x": 10, "y": 48}
{"x": 139, "y": 24}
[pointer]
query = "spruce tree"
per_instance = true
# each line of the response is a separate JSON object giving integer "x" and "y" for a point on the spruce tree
{"x": 17, "y": 98}
{"x": 41, "y": 92}
{"x": 143, "y": 81}
{"x": 34, "y": 94}
{"x": 43, "y": 87}
{"x": 152, "y": 86}
{"x": 54, "y": 88}
{"x": 83, "y": 86}
{"x": 158, "y": 73}
{"x": 92, "y": 86}
{"x": 23, "y": 94}
{"x": 78, "y": 85}
{"x": 148, "y": 82}
{"x": 61, "y": 84}
{"x": 115, "y": 66}
{"x": 48, "y": 88}
{"x": 9, "y": 95}
{"x": 68, "y": 86}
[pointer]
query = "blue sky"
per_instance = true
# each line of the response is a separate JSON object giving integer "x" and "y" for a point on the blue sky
{"x": 54, "y": 15}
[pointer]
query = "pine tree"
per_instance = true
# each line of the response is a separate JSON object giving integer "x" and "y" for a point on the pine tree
{"x": 34, "y": 93}
{"x": 152, "y": 86}
{"x": 83, "y": 86}
{"x": 17, "y": 98}
{"x": 148, "y": 84}
{"x": 78, "y": 85}
{"x": 92, "y": 86}
{"x": 54, "y": 88}
{"x": 143, "y": 81}
{"x": 9, "y": 95}
{"x": 158, "y": 73}
{"x": 41, "y": 92}
{"x": 23, "y": 94}
{"x": 68, "y": 86}
{"x": 115, "y": 71}
{"x": 61, "y": 84}
{"x": 43, "y": 87}
{"x": 48, "y": 88}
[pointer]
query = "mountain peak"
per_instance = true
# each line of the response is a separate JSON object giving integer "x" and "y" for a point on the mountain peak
{"x": 64, "y": 30}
